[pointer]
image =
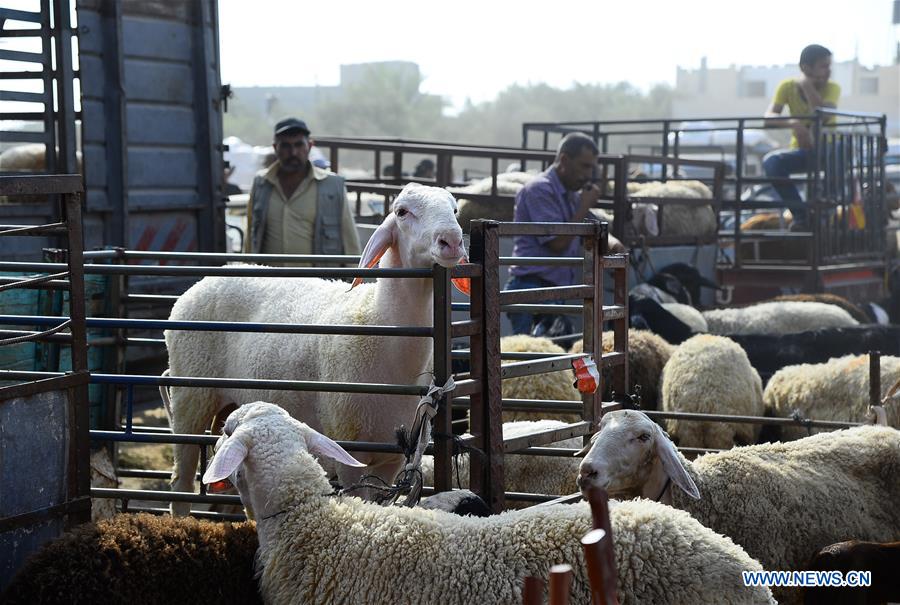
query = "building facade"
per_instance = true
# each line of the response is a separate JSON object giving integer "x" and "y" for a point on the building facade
{"x": 747, "y": 90}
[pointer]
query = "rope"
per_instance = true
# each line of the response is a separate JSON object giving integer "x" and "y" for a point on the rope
{"x": 36, "y": 335}
{"x": 410, "y": 479}
{"x": 420, "y": 436}
{"x": 806, "y": 422}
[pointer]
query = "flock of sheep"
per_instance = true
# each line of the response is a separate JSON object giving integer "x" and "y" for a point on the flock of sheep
{"x": 683, "y": 530}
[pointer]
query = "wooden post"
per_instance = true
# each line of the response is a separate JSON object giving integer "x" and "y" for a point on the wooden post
{"x": 533, "y": 591}
{"x": 599, "y": 501}
{"x": 560, "y": 583}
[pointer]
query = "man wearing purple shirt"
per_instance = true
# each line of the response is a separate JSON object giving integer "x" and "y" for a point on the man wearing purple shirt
{"x": 553, "y": 197}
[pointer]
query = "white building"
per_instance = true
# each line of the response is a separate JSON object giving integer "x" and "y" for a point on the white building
{"x": 747, "y": 90}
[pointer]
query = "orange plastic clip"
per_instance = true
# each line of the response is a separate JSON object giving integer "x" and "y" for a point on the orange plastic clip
{"x": 587, "y": 376}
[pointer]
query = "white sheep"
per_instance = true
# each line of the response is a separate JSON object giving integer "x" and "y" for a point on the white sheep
{"x": 777, "y": 318}
{"x": 691, "y": 316}
{"x": 420, "y": 231}
{"x": 781, "y": 501}
{"x": 835, "y": 390}
{"x": 550, "y": 385}
{"x": 677, "y": 219}
{"x": 554, "y": 475}
{"x": 315, "y": 548}
{"x": 711, "y": 375}
{"x": 508, "y": 184}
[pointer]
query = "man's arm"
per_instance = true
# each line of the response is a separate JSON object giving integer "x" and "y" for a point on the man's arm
{"x": 589, "y": 197}
{"x": 812, "y": 94}
{"x": 774, "y": 119}
{"x": 248, "y": 234}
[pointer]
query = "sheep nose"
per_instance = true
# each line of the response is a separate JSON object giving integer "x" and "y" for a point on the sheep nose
{"x": 451, "y": 245}
{"x": 586, "y": 473}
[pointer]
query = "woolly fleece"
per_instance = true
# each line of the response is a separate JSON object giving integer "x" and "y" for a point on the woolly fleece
{"x": 835, "y": 390}
{"x": 312, "y": 546}
{"x": 777, "y": 318}
{"x": 142, "y": 559}
{"x": 711, "y": 374}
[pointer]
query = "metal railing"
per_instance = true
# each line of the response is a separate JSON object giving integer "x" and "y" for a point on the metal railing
{"x": 66, "y": 428}
{"x": 848, "y": 152}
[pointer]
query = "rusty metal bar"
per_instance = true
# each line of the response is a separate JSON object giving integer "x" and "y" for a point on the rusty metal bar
{"x": 593, "y": 318}
{"x": 233, "y": 383}
{"x": 621, "y": 381}
{"x": 580, "y": 229}
{"x": 535, "y": 295}
{"x": 43, "y": 184}
{"x": 486, "y": 414}
{"x": 874, "y": 378}
{"x": 575, "y": 429}
{"x": 539, "y": 366}
{"x": 224, "y": 326}
{"x": 476, "y": 356}
{"x": 226, "y": 271}
{"x": 79, "y": 473}
{"x": 443, "y": 431}
{"x": 468, "y": 327}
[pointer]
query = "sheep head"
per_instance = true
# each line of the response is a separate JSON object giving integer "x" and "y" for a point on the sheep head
{"x": 257, "y": 439}
{"x": 630, "y": 457}
{"x": 421, "y": 230}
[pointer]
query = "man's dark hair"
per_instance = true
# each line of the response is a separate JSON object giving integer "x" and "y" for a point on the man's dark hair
{"x": 813, "y": 53}
{"x": 573, "y": 144}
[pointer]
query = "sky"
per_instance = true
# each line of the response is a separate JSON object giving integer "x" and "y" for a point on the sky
{"x": 474, "y": 49}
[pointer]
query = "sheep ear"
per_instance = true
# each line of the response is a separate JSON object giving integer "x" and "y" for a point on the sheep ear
{"x": 319, "y": 444}
{"x": 381, "y": 240}
{"x": 583, "y": 451}
{"x": 228, "y": 458}
{"x": 667, "y": 453}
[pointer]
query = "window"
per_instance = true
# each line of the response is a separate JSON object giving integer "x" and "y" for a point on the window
{"x": 868, "y": 86}
{"x": 753, "y": 88}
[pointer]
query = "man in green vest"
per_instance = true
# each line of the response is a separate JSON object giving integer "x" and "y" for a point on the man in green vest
{"x": 296, "y": 207}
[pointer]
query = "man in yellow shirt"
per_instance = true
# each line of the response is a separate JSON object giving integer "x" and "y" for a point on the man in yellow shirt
{"x": 802, "y": 96}
{"x": 296, "y": 207}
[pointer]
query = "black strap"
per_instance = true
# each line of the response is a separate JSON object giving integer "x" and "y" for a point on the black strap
{"x": 665, "y": 487}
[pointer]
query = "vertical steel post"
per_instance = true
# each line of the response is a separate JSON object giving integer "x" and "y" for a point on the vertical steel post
{"x": 443, "y": 422}
{"x": 738, "y": 187}
{"x": 620, "y": 326}
{"x": 478, "y": 469}
{"x": 79, "y": 481}
{"x": 874, "y": 377}
{"x": 592, "y": 318}
{"x": 492, "y": 414}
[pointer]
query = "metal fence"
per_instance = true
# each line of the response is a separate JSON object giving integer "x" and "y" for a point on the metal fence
{"x": 846, "y": 169}
{"x": 45, "y": 422}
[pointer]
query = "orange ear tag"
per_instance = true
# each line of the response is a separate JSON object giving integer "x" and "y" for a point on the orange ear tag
{"x": 463, "y": 284}
{"x": 219, "y": 487}
{"x": 587, "y": 377}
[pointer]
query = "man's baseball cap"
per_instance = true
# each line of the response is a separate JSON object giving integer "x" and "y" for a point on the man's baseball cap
{"x": 291, "y": 125}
